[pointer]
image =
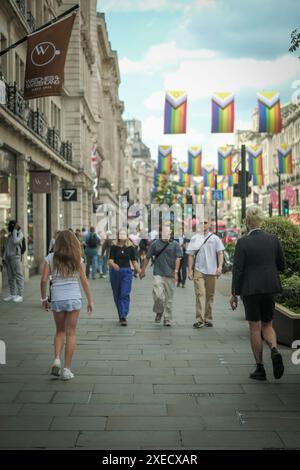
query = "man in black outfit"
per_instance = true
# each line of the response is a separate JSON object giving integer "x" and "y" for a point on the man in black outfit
{"x": 258, "y": 258}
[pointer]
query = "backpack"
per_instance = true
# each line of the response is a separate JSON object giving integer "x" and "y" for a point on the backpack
{"x": 93, "y": 241}
{"x": 23, "y": 246}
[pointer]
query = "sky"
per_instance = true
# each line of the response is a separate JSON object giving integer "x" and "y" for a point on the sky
{"x": 201, "y": 47}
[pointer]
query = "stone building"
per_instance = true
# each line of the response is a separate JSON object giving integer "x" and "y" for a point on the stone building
{"x": 139, "y": 168}
{"x": 57, "y": 134}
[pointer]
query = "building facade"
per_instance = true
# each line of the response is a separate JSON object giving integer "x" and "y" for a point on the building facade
{"x": 57, "y": 134}
{"x": 139, "y": 168}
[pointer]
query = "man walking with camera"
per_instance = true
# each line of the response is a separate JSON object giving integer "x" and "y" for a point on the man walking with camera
{"x": 13, "y": 261}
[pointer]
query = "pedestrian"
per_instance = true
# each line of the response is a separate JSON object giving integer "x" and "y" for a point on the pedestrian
{"x": 100, "y": 266}
{"x": 182, "y": 273}
{"x": 105, "y": 249}
{"x": 3, "y": 237}
{"x": 122, "y": 254}
{"x": 143, "y": 248}
{"x": 65, "y": 267}
{"x": 52, "y": 241}
{"x": 205, "y": 263}
{"x": 257, "y": 259}
{"x": 12, "y": 258}
{"x": 166, "y": 254}
{"x": 92, "y": 242}
{"x": 79, "y": 237}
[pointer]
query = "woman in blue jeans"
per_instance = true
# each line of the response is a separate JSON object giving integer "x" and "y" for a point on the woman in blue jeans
{"x": 122, "y": 254}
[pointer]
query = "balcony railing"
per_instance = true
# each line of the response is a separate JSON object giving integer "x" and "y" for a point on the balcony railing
{"x": 66, "y": 151}
{"x": 15, "y": 100}
{"x": 36, "y": 121}
{"x": 53, "y": 138}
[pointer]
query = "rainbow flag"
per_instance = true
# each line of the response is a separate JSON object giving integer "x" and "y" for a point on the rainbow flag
{"x": 175, "y": 112}
{"x": 225, "y": 160}
{"x": 165, "y": 159}
{"x": 198, "y": 198}
{"x": 258, "y": 180}
{"x": 194, "y": 161}
{"x": 227, "y": 194}
{"x": 220, "y": 182}
{"x": 255, "y": 159}
{"x": 222, "y": 112}
{"x": 233, "y": 179}
{"x": 207, "y": 196}
{"x": 269, "y": 112}
{"x": 285, "y": 159}
{"x": 208, "y": 177}
{"x": 184, "y": 178}
{"x": 198, "y": 188}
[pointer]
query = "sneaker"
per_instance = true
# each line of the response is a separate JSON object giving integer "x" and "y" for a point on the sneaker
{"x": 18, "y": 298}
{"x": 278, "y": 367}
{"x": 67, "y": 374}
{"x": 198, "y": 324}
{"x": 183, "y": 286}
{"x": 167, "y": 322}
{"x": 56, "y": 368}
{"x": 158, "y": 317}
{"x": 123, "y": 321}
{"x": 208, "y": 323}
{"x": 9, "y": 297}
{"x": 259, "y": 373}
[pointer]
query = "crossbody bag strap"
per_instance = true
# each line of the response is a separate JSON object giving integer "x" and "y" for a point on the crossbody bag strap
{"x": 196, "y": 254}
{"x": 160, "y": 252}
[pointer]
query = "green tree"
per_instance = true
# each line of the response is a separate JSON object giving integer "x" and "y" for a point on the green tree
{"x": 295, "y": 40}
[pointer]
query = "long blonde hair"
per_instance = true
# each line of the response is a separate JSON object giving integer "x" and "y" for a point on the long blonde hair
{"x": 67, "y": 254}
{"x": 128, "y": 242}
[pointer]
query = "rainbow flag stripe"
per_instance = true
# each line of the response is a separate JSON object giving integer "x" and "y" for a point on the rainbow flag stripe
{"x": 208, "y": 177}
{"x": 258, "y": 180}
{"x": 164, "y": 159}
{"x": 225, "y": 161}
{"x": 198, "y": 198}
{"x": 175, "y": 112}
{"x": 227, "y": 194}
{"x": 269, "y": 112}
{"x": 255, "y": 160}
{"x": 207, "y": 196}
{"x": 184, "y": 178}
{"x": 198, "y": 188}
{"x": 194, "y": 161}
{"x": 233, "y": 179}
{"x": 222, "y": 112}
{"x": 285, "y": 159}
{"x": 220, "y": 182}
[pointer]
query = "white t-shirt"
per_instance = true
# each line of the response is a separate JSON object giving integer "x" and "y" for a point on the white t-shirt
{"x": 206, "y": 261}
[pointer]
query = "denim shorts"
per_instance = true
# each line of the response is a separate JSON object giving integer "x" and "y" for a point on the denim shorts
{"x": 66, "y": 305}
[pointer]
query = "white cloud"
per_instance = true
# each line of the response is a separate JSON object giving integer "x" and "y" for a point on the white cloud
{"x": 162, "y": 57}
{"x": 151, "y": 5}
{"x": 202, "y": 78}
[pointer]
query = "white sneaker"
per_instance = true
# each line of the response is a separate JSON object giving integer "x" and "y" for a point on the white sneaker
{"x": 67, "y": 374}
{"x": 56, "y": 368}
{"x": 9, "y": 297}
{"x": 18, "y": 298}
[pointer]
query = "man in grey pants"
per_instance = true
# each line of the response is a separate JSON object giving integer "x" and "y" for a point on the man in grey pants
{"x": 12, "y": 260}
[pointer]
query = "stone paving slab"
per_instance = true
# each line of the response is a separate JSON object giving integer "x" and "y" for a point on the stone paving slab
{"x": 129, "y": 440}
{"x": 191, "y": 387}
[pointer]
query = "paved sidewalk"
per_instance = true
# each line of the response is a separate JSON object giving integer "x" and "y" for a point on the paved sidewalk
{"x": 145, "y": 386}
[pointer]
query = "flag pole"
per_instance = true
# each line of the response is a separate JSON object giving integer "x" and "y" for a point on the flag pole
{"x": 54, "y": 20}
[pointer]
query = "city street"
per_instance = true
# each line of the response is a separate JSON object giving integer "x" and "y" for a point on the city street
{"x": 145, "y": 386}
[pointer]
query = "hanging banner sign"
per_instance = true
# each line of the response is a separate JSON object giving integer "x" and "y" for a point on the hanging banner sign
{"x": 40, "y": 182}
{"x": 45, "y": 62}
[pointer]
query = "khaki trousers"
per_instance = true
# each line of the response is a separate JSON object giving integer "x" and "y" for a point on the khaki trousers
{"x": 204, "y": 285}
{"x": 163, "y": 293}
